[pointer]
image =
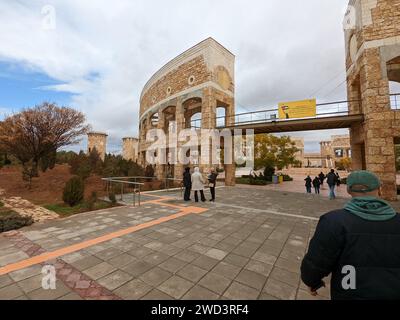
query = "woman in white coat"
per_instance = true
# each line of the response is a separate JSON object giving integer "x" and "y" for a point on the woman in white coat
{"x": 198, "y": 185}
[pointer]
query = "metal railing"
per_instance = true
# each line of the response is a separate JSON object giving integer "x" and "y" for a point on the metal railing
{"x": 110, "y": 183}
{"x": 133, "y": 181}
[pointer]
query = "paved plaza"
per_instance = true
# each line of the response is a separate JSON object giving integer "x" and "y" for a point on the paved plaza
{"x": 247, "y": 245}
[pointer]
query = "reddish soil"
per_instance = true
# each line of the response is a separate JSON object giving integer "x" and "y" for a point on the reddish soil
{"x": 47, "y": 188}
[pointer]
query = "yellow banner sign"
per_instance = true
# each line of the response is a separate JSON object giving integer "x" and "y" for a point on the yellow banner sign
{"x": 298, "y": 109}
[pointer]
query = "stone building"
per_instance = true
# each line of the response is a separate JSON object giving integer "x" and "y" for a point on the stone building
{"x": 130, "y": 148}
{"x": 372, "y": 36}
{"x": 98, "y": 141}
{"x": 186, "y": 93}
{"x": 331, "y": 152}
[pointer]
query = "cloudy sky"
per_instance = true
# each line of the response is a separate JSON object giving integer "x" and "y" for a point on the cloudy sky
{"x": 97, "y": 55}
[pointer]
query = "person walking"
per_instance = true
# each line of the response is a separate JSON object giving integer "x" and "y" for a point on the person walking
{"x": 198, "y": 185}
{"x": 338, "y": 182}
{"x": 187, "y": 183}
{"x": 308, "y": 181}
{"x": 316, "y": 183}
{"x": 331, "y": 180}
{"x": 212, "y": 181}
{"x": 358, "y": 245}
{"x": 321, "y": 178}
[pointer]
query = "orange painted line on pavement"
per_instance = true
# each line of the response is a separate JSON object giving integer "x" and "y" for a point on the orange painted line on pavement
{"x": 88, "y": 243}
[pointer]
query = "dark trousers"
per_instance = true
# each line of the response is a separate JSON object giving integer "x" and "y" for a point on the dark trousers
{"x": 316, "y": 190}
{"x": 196, "y": 196}
{"x": 212, "y": 190}
{"x": 186, "y": 197}
{"x": 308, "y": 188}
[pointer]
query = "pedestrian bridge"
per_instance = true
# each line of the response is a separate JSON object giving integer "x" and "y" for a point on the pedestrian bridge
{"x": 332, "y": 115}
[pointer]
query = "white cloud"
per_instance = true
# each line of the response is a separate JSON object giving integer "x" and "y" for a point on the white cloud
{"x": 103, "y": 52}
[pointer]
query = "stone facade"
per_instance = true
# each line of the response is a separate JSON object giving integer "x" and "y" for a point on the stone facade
{"x": 331, "y": 152}
{"x": 372, "y": 50}
{"x": 197, "y": 82}
{"x": 130, "y": 148}
{"x": 98, "y": 141}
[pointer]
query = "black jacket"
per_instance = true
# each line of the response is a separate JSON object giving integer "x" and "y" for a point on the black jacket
{"x": 187, "y": 179}
{"x": 372, "y": 248}
{"x": 308, "y": 182}
{"x": 213, "y": 177}
{"x": 331, "y": 179}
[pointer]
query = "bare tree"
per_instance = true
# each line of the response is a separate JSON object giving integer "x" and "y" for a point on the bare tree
{"x": 37, "y": 133}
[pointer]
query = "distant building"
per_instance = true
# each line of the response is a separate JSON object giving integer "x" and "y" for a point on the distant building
{"x": 331, "y": 152}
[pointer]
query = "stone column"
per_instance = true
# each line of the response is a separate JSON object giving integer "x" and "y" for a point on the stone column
{"x": 160, "y": 168}
{"x": 230, "y": 169}
{"x": 379, "y": 140}
{"x": 180, "y": 125}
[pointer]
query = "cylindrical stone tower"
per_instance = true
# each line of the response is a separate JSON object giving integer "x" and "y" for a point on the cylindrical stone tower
{"x": 130, "y": 148}
{"x": 98, "y": 141}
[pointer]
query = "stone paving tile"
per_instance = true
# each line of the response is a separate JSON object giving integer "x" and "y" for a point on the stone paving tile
{"x": 216, "y": 254}
{"x": 86, "y": 262}
{"x": 155, "y": 276}
{"x": 71, "y": 296}
{"x": 155, "y": 258}
{"x": 41, "y": 294}
{"x": 205, "y": 262}
{"x": 251, "y": 279}
{"x": 114, "y": 280}
{"x": 140, "y": 252}
{"x": 100, "y": 270}
{"x": 31, "y": 284}
{"x": 12, "y": 257}
{"x": 290, "y": 265}
{"x": 122, "y": 260}
{"x": 176, "y": 287}
{"x": 25, "y": 273}
{"x": 238, "y": 291}
{"x": 236, "y": 260}
{"x": 108, "y": 253}
{"x": 215, "y": 282}
{"x": 227, "y": 270}
{"x": 10, "y": 292}
{"x": 192, "y": 273}
{"x": 265, "y": 296}
{"x": 156, "y": 295}
{"x": 305, "y": 295}
{"x": 187, "y": 255}
{"x": 133, "y": 290}
{"x": 259, "y": 267}
{"x": 137, "y": 268}
{"x": 286, "y": 276}
{"x": 5, "y": 280}
{"x": 173, "y": 265}
{"x": 265, "y": 257}
{"x": 280, "y": 289}
{"x": 200, "y": 293}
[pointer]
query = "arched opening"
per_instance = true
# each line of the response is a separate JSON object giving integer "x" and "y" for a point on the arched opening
{"x": 154, "y": 120}
{"x": 169, "y": 115}
{"x": 221, "y": 116}
{"x": 193, "y": 113}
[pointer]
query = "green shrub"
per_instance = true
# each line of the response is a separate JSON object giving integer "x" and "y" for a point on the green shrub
{"x": 11, "y": 220}
{"x": 1, "y": 204}
{"x": 112, "y": 198}
{"x": 91, "y": 201}
{"x": 73, "y": 191}
{"x": 286, "y": 177}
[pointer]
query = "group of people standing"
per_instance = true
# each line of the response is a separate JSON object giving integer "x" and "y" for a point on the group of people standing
{"x": 196, "y": 182}
{"x": 332, "y": 179}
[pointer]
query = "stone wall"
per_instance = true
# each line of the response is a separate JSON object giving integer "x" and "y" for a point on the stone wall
{"x": 371, "y": 45}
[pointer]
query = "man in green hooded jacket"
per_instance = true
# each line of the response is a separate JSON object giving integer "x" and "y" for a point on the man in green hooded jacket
{"x": 358, "y": 245}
